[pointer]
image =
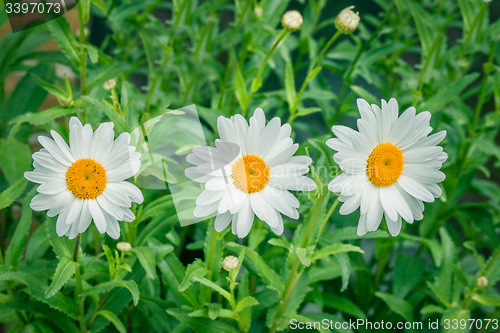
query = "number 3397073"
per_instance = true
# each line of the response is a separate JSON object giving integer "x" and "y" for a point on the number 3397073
{"x": 33, "y": 7}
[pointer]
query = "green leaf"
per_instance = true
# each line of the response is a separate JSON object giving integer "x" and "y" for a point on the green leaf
{"x": 312, "y": 74}
{"x": 113, "y": 318}
{"x": 239, "y": 87}
{"x": 157, "y": 207}
{"x": 37, "y": 288}
{"x": 279, "y": 242}
{"x": 398, "y": 305}
{"x": 173, "y": 272}
{"x": 14, "y": 160}
{"x": 212, "y": 285}
{"x": 345, "y": 266}
{"x": 197, "y": 268}
{"x": 146, "y": 256}
{"x": 64, "y": 271}
{"x": 431, "y": 308}
{"x": 93, "y": 53}
{"x": 407, "y": 274}
{"x": 486, "y": 300}
{"x": 107, "y": 286}
{"x": 18, "y": 242}
{"x": 448, "y": 93}
{"x": 60, "y": 30}
{"x": 305, "y": 255}
{"x": 342, "y": 304}
{"x": 86, "y": 10}
{"x": 37, "y": 245}
{"x": 307, "y": 111}
{"x": 438, "y": 294}
{"x": 334, "y": 249}
{"x": 256, "y": 84}
{"x": 13, "y": 192}
{"x": 39, "y": 118}
{"x": 49, "y": 87}
{"x": 147, "y": 43}
{"x": 422, "y": 22}
{"x": 467, "y": 14}
{"x": 108, "y": 111}
{"x": 349, "y": 233}
{"x": 291, "y": 94}
{"x": 246, "y": 302}
{"x": 270, "y": 277}
{"x": 363, "y": 93}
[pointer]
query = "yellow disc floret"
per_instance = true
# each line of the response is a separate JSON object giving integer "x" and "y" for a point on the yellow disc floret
{"x": 86, "y": 178}
{"x": 385, "y": 164}
{"x": 250, "y": 174}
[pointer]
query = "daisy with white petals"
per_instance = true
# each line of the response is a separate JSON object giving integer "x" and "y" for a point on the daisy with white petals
{"x": 390, "y": 166}
{"x": 86, "y": 180}
{"x": 254, "y": 178}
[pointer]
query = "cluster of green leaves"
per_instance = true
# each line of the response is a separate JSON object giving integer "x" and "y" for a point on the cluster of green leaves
{"x": 436, "y": 55}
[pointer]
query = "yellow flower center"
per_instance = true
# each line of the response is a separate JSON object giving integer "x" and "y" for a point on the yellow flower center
{"x": 385, "y": 164}
{"x": 250, "y": 174}
{"x": 86, "y": 178}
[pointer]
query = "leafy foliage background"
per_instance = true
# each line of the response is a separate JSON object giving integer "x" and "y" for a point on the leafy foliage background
{"x": 436, "y": 55}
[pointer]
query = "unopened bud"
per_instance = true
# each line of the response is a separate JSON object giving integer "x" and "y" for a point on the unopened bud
{"x": 258, "y": 11}
{"x": 110, "y": 84}
{"x": 124, "y": 246}
{"x": 292, "y": 20}
{"x": 230, "y": 263}
{"x": 482, "y": 281}
{"x": 347, "y": 21}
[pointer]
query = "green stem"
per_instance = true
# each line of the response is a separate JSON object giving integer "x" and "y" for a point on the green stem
{"x": 482, "y": 93}
{"x": 347, "y": 76}
{"x": 210, "y": 260}
{"x": 83, "y": 51}
{"x": 280, "y": 37}
{"x": 427, "y": 60}
{"x": 79, "y": 288}
{"x": 294, "y": 272}
{"x": 293, "y": 108}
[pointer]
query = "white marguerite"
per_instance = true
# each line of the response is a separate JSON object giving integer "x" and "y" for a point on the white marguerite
{"x": 86, "y": 180}
{"x": 390, "y": 166}
{"x": 256, "y": 171}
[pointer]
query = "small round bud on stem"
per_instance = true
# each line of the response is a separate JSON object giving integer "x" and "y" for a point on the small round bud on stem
{"x": 292, "y": 20}
{"x": 230, "y": 263}
{"x": 123, "y": 246}
{"x": 110, "y": 84}
{"x": 347, "y": 21}
{"x": 482, "y": 281}
{"x": 258, "y": 11}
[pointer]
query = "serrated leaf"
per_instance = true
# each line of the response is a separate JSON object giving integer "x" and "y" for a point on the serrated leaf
{"x": 157, "y": 207}
{"x": 107, "y": 286}
{"x": 113, "y": 319}
{"x": 197, "y": 268}
{"x": 334, "y": 249}
{"x": 64, "y": 271}
{"x": 279, "y": 242}
{"x": 455, "y": 314}
{"x": 246, "y": 302}
{"x": 486, "y": 300}
{"x": 200, "y": 324}
{"x": 13, "y": 192}
{"x": 60, "y": 30}
{"x": 146, "y": 256}
{"x": 467, "y": 14}
{"x": 398, "y": 305}
{"x": 213, "y": 285}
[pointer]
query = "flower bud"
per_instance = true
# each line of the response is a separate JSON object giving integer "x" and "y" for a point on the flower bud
{"x": 482, "y": 282}
{"x": 292, "y": 20}
{"x": 258, "y": 11}
{"x": 123, "y": 246}
{"x": 110, "y": 84}
{"x": 230, "y": 263}
{"x": 347, "y": 21}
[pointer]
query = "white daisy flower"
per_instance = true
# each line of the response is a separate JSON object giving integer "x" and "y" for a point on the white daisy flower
{"x": 86, "y": 180}
{"x": 250, "y": 171}
{"x": 390, "y": 166}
